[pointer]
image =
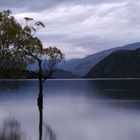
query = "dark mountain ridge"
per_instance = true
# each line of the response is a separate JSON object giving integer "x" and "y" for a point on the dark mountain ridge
{"x": 119, "y": 64}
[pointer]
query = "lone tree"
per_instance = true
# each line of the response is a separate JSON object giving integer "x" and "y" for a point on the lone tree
{"x": 19, "y": 47}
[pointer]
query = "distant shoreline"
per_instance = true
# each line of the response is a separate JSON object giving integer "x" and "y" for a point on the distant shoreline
{"x": 92, "y": 79}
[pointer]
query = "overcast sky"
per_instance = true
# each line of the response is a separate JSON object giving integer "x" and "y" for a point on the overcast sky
{"x": 82, "y": 27}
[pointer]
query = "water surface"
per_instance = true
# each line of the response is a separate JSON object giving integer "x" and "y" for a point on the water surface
{"x": 75, "y": 109}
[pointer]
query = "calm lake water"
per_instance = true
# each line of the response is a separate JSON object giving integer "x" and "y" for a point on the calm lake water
{"x": 75, "y": 109}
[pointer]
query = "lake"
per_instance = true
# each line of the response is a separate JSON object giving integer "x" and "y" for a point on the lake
{"x": 73, "y": 109}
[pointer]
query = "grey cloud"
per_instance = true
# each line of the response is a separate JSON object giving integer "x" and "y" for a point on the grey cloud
{"x": 83, "y": 27}
{"x": 38, "y": 5}
{"x": 100, "y": 29}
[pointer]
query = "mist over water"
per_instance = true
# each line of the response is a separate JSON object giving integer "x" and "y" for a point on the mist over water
{"x": 75, "y": 110}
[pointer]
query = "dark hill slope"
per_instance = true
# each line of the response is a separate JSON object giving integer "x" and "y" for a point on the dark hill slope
{"x": 119, "y": 64}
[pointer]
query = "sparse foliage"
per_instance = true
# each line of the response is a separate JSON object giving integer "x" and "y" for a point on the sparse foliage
{"x": 19, "y": 46}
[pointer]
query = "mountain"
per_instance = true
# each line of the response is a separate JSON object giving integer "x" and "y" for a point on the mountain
{"x": 119, "y": 64}
{"x": 32, "y": 67}
{"x": 82, "y": 66}
{"x": 88, "y": 62}
{"x": 63, "y": 74}
{"x": 69, "y": 64}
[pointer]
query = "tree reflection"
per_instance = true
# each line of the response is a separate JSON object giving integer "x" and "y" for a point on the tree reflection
{"x": 11, "y": 130}
{"x": 48, "y": 133}
{"x": 40, "y": 108}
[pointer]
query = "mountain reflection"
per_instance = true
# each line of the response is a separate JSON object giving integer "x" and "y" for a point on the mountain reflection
{"x": 117, "y": 89}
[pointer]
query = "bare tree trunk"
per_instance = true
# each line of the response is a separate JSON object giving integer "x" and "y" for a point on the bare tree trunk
{"x": 40, "y": 101}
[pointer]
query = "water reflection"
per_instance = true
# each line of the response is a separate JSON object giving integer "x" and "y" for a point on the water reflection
{"x": 117, "y": 89}
{"x": 75, "y": 110}
{"x": 11, "y": 130}
{"x": 48, "y": 133}
{"x": 97, "y": 89}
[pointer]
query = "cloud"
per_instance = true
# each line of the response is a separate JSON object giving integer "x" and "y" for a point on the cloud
{"x": 81, "y": 27}
{"x": 39, "y": 5}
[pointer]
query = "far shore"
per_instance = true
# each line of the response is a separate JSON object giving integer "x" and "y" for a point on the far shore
{"x": 35, "y": 79}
